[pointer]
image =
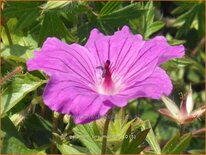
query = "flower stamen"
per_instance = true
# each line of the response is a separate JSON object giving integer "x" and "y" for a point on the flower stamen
{"x": 107, "y": 84}
{"x": 107, "y": 75}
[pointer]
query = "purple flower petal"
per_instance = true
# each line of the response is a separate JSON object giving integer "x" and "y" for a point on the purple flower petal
{"x": 116, "y": 100}
{"x": 130, "y": 56}
{"x": 168, "y": 51}
{"x": 70, "y": 96}
{"x": 61, "y": 90}
{"x": 113, "y": 47}
{"x": 154, "y": 86}
{"x": 86, "y": 108}
{"x": 56, "y": 57}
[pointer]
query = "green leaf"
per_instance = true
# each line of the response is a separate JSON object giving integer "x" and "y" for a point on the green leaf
{"x": 119, "y": 126}
{"x": 87, "y": 135}
{"x": 197, "y": 151}
{"x": 55, "y": 5}
{"x": 140, "y": 137}
{"x": 184, "y": 61}
{"x": 133, "y": 146}
{"x": 16, "y": 37}
{"x": 187, "y": 23}
{"x": 19, "y": 9}
{"x": 188, "y": 17}
{"x": 181, "y": 19}
{"x": 8, "y": 129}
{"x": 182, "y": 7}
{"x": 126, "y": 140}
{"x": 170, "y": 144}
{"x": 151, "y": 139}
{"x": 12, "y": 142}
{"x": 27, "y": 19}
{"x": 173, "y": 41}
{"x": 26, "y": 13}
{"x": 17, "y": 52}
{"x": 117, "y": 130}
{"x": 182, "y": 144}
{"x": 17, "y": 90}
{"x": 200, "y": 18}
{"x": 148, "y": 18}
{"x": 176, "y": 42}
{"x": 109, "y": 7}
{"x": 38, "y": 123}
{"x": 145, "y": 24}
{"x": 54, "y": 27}
{"x": 123, "y": 15}
{"x": 71, "y": 149}
{"x": 177, "y": 144}
{"x": 150, "y": 13}
{"x": 154, "y": 27}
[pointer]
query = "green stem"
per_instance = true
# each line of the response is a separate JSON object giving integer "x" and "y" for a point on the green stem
{"x": 54, "y": 130}
{"x": 106, "y": 127}
{"x": 11, "y": 74}
{"x": 42, "y": 112}
{"x": 66, "y": 130}
{"x": 157, "y": 122}
{"x": 181, "y": 129}
{"x": 7, "y": 32}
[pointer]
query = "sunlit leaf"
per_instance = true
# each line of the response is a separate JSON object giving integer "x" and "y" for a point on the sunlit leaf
{"x": 17, "y": 52}
{"x": 197, "y": 151}
{"x": 87, "y": 136}
{"x": 55, "y": 5}
{"x": 177, "y": 144}
{"x": 125, "y": 141}
{"x": 132, "y": 142}
{"x": 17, "y": 90}
{"x": 154, "y": 27}
{"x": 71, "y": 149}
{"x": 182, "y": 144}
{"x": 109, "y": 7}
{"x": 121, "y": 16}
{"x": 151, "y": 138}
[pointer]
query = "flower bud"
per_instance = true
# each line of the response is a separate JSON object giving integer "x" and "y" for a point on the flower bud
{"x": 183, "y": 115}
{"x": 189, "y": 102}
{"x": 56, "y": 114}
{"x": 66, "y": 119}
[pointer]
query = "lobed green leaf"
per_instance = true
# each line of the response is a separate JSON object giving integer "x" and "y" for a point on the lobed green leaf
{"x": 17, "y": 90}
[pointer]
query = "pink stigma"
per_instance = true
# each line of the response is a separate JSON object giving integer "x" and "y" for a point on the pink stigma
{"x": 107, "y": 75}
{"x": 108, "y": 86}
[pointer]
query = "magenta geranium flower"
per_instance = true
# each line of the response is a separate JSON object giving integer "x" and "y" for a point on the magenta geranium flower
{"x": 87, "y": 81}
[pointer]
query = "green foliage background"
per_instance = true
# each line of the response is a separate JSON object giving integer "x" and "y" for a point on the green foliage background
{"x": 27, "y": 124}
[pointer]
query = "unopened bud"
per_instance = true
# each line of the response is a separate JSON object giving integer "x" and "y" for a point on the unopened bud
{"x": 56, "y": 114}
{"x": 189, "y": 101}
{"x": 66, "y": 119}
